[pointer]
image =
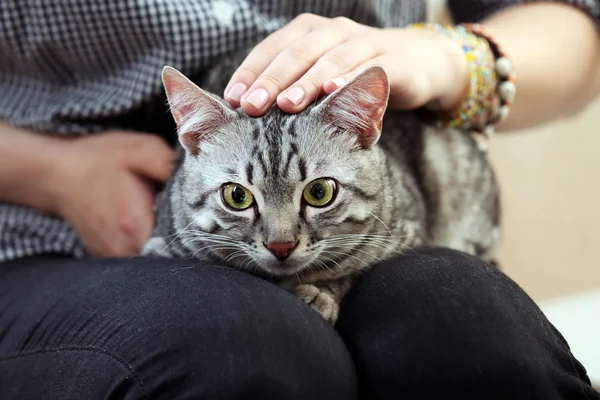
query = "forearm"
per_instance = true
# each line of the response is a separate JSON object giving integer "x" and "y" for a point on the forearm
{"x": 556, "y": 52}
{"x": 27, "y": 165}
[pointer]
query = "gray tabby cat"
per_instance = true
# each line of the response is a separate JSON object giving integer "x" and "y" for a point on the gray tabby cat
{"x": 313, "y": 200}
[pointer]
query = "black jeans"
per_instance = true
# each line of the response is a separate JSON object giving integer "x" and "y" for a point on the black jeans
{"x": 434, "y": 324}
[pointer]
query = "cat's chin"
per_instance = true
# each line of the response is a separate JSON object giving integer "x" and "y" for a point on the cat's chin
{"x": 285, "y": 268}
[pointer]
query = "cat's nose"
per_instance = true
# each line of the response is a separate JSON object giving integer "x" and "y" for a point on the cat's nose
{"x": 281, "y": 250}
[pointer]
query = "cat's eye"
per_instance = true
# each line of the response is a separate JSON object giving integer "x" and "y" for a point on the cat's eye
{"x": 320, "y": 192}
{"x": 236, "y": 196}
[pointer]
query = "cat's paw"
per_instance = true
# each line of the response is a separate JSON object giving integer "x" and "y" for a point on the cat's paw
{"x": 155, "y": 246}
{"x": 320, "y": 301}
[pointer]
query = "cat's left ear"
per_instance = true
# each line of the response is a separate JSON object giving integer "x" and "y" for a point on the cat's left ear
{"x": 358, "y": 106}
{"x": 197, "y": 113}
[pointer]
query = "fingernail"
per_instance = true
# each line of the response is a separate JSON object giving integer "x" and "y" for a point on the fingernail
{"x": 338, "y": 82}
{"x": 295, "y": 95}
{"x": 236, "y": 92}
{"x": 258, "y": 98}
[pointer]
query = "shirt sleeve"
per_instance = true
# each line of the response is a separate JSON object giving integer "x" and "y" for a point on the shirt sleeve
{"x": 477, "y": 10}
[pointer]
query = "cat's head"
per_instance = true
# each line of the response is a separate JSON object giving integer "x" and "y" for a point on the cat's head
{"x": 281, "y": 192}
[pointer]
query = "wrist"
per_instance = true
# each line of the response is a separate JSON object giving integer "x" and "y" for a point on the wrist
{"x": 452, "y": 78}
{"x": 53, "y": 174}
{"x": 491, "y": 88}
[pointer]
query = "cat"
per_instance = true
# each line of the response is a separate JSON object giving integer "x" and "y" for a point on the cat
{"x": 313, "y": 200}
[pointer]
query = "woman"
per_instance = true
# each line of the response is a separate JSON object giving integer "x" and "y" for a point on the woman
{"x": 434, "y": 324}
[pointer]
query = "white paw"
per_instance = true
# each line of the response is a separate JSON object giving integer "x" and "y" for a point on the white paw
{"x": 320, "y": 301}
{"x": 155, "y": 246}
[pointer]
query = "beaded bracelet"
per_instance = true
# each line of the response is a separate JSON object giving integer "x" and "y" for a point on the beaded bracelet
{"x": 491, "y": 81}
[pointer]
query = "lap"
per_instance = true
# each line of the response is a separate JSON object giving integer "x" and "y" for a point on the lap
{"x": 428, "y": 324}
{"x": 161, "y": 325}
{"x": 437, "y": 323}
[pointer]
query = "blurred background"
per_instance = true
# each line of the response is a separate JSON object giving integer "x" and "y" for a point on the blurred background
{"x": 550, "y": 178}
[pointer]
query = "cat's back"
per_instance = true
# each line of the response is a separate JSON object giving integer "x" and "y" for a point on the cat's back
{"x": 455, "y": 178}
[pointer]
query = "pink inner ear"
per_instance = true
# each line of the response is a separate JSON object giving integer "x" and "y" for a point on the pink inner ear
{"x": 196, "y": 113}
{"x": 359, "y": 106}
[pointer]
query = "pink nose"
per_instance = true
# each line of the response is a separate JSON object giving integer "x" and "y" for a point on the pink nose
{"x": 281, "y": 250}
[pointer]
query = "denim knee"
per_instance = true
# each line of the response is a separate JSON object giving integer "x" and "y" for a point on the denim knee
{"x": 184, "y": 329}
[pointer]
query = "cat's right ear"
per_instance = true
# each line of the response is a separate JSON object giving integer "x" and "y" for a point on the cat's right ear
{"x": 197, "y": 113}
{"x": 358, "y": 107}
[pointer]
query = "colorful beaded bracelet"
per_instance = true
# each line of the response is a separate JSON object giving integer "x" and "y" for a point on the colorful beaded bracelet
{"x": 491, "y": 80}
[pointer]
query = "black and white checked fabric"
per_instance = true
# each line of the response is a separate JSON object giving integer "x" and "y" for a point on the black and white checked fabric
{"x": 66, "y": 65}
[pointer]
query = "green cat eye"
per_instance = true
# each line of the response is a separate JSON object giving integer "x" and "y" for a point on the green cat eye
{"x": 320, "y": 192}
{"x": 237, "y": 197}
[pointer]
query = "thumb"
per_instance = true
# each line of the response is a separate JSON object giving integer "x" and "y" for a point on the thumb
{"x": 153, "y": 159}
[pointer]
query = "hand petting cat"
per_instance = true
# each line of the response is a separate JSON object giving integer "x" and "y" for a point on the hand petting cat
{"x": 313, "y": 55}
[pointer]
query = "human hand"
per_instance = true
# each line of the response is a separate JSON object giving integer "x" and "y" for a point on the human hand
{"x": 106, "y": 189}
{"x": 313, "y": 55}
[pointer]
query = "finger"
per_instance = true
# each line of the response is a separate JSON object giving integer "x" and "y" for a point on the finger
{"x": 151, "y": 157}
{"x": 135, "y": 217}
{"x": 410, "y": 88}
{"x": 333, "y": 84}
{"x": 292, "y": 63}
{"x": 337, "y": 61}
{"x": 265, "y": 52}
{"x": 102, "y": 238}
{"x": 142, "y": 220}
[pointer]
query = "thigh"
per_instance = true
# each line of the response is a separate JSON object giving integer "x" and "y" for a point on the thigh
{"x": 437, "y": 323}
{"x": 160, "y": 328}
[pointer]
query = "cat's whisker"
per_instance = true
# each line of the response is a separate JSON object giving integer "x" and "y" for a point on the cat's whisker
{"x": 333, "y": 261}
{"x": 215, "y": 247}
{"x": 347, "y": 255}
{"x": 235, "y": 255}
{"x": 373, "y": 234}
{"x": 382, "y": 223}
{"x": 354, "y": 248}
{"x": 298, "y": 277}
{"x": 249, "y": 261}
{"x": 208, "y": 240}
{"x": 363, "y": 241}
{"x": 212, "y": 235}
{"x": 208, "y": 237}
{"x": 319, "y": 264}
{"x": 177, "y": 236}
{"x": 357, "y": 243}
{"x": 182, "y": 268}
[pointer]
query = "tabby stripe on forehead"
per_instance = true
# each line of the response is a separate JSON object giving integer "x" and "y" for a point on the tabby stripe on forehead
{"x": 263, "y": 165}
{"x": 255, "y": 133}
{"x": 249, "y": 173}
{"x": 274, "y": 145}
{"x": 302, "y": 168}
{"x": 291, "y": 125}
{"x": 290, "y": 155}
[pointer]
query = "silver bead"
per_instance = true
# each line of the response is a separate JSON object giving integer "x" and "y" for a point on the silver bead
{"x": 488, "y": 131}
{"x": 503, "y": 113}
{"x": 503, "y": 67}
{"x": 482, "y": 145}
{"x": 507, "y": 91}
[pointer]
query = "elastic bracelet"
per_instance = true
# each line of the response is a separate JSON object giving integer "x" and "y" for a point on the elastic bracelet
{"x": 491, "y": 81}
